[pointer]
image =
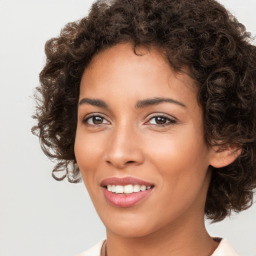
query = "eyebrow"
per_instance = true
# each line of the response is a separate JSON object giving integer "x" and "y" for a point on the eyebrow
{"x": 94, "y": 102}
{"x": 155, "y": 101}
{"x": 139, "y": 104}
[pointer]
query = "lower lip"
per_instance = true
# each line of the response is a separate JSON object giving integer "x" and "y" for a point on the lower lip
{"x": 122, "y": 200}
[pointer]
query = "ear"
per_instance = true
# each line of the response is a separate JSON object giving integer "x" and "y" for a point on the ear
{"x": 222, "y": 156}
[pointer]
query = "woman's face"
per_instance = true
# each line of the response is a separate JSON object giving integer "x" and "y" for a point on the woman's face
{"x": 139, "y": 119}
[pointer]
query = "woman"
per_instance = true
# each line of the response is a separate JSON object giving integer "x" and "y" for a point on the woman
{"x": 153, "y": 102}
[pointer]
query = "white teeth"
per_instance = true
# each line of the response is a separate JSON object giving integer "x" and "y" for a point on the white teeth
{"x": 136, "y": 188}
{"x": 127, "y": 189}
{"x": 143, "y": 188}
{"x": 119, "y": 189}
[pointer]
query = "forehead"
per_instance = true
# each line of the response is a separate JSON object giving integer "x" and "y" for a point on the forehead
{"x": 118, "y": 70}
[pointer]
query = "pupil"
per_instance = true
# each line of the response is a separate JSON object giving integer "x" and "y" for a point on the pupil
{"x": 160, "y": 120}
{"x": 97, "y": 120}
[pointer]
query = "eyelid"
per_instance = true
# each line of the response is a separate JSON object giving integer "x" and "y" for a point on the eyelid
{"x": 172, "y": 119}
{"x": 94, "y": 114}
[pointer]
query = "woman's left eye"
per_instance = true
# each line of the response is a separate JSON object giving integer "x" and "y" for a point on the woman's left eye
{"x": 161, "y": 120}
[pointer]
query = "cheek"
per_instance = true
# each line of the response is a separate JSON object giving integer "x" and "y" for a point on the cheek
{"x": 181, "y": 147}
{"x": 184, "y": 183}
{"x": 182, "y": 160}
{"x": 88, "y": 151}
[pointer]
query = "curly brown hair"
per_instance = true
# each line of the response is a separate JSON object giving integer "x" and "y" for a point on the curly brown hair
{"x": 199, "y": 34}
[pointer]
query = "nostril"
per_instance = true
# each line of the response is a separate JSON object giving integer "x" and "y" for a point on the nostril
{"x": 130, "y": 162}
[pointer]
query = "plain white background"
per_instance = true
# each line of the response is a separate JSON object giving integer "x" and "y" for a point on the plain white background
{"x": 38, "y": 215}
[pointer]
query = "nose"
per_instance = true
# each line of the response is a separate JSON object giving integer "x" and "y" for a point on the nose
{"x": 124, "y": 148}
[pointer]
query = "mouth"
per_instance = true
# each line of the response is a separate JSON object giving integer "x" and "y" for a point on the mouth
{"x": 127, "y": 189}
{"x": 125, "y": 192}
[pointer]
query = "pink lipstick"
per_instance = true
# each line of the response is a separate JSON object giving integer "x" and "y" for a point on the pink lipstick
{"x": 125, "y": 191}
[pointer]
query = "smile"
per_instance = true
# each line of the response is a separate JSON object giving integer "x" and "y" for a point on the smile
{"x": 126, "y": 191}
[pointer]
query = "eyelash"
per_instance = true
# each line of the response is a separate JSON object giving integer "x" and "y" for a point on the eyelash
{"x": 170, "y": 121}
{"x": 85, "y": 121}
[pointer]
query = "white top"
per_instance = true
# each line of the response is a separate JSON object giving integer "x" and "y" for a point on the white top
{"x": 224, "y": 249}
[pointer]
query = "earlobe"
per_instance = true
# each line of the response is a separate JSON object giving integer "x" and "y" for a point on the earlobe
{"x": 223, "y": 156}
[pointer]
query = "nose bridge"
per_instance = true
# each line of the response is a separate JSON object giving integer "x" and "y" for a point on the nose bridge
{"x": 124, "y": 148}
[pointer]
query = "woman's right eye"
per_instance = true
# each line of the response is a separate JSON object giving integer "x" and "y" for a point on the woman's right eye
{"x": 95, "y": 120}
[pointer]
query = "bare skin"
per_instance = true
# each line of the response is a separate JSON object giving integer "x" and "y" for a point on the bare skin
{"x": 160, "y": 143}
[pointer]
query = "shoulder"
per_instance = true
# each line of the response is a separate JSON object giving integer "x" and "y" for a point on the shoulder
{"x": 224, "y": 249}
{"x": 93, "y": 251}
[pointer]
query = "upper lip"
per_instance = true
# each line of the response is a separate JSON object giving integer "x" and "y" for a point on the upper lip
{"x": 124, "y": 181}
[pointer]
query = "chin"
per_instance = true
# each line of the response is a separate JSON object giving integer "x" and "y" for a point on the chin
{"x": 129, "y": 231}
{"x": 132, "y": 226}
